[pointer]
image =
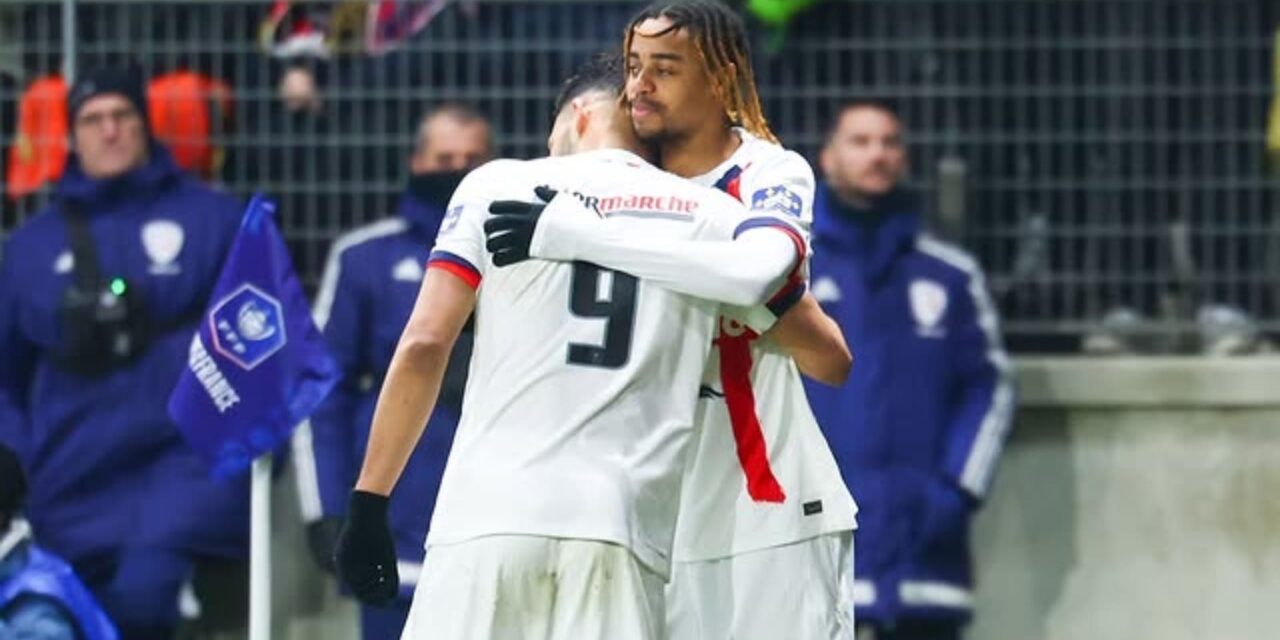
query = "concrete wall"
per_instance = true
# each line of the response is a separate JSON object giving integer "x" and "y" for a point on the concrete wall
{"x": 1138, "y": 499}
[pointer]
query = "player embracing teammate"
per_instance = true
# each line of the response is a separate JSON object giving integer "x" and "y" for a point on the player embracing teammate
{"x": 570, "y": 488}
{"x": 763, "y": 547}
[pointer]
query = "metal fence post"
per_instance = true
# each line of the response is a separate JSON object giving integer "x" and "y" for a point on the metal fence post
{"x": 69, "y": 40}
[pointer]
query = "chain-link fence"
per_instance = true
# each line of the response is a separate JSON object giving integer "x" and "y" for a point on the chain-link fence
{"x": 1094, "y": 154}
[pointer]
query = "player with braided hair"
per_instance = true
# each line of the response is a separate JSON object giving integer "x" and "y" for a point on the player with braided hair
{"x": 764, "y": 542}
{"x": 720, "y": 40}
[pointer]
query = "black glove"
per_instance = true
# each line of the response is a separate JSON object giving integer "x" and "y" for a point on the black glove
{"x": 322, "y": 538}
{"x": 509, "y": 229}
{"x": 366, "y": 554}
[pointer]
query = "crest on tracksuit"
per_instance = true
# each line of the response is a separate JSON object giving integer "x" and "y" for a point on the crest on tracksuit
{"x": 163, "y": 240}
{"x": 928, "y": 304}
{"x": 825, "y": 289}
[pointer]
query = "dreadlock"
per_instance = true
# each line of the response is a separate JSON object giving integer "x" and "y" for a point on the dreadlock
{"x": 720, "y": 37}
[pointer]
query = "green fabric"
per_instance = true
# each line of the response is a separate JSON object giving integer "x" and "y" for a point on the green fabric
{"x": 777, "y": 13}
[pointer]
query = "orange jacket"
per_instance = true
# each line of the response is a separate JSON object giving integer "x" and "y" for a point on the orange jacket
{"x": 40, "y": 149}
{"x": 189, "y": 113}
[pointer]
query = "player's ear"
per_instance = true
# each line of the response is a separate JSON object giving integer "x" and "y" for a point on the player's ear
{"x": 581, "y": 116}
{"x": 730, "y": 72}
{"x": 722, "y": 94}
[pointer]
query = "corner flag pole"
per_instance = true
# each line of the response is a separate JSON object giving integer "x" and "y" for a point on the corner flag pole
{"x": 260, "y": 550}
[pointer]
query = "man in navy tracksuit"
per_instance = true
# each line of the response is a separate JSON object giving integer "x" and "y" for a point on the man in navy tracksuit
{"x": 99, "y": 296}
{"x": 368, "y": 290}
{"x": 919, "y": 426}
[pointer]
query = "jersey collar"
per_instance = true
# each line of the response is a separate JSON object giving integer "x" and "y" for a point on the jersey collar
{"x": 740, "y": 158}
{"x": 619, "y": 155}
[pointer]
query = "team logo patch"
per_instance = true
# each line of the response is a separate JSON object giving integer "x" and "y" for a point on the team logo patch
{"x": 451, "y": 218}
{"x": 777, "y": 198}
{"x": 248, "y": 327}
{"x": 65, "y": 263}
{"x": 163, "y": 240}
{"x": 407, "y": 270}
{"x": 928, "y": 303}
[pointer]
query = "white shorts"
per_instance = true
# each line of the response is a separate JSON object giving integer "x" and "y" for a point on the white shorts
{"x": 800, "y": 590}
{"x": 512, "y": 587}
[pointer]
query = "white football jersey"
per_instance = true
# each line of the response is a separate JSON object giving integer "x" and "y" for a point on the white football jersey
{"x": 579, "y": 408}
{"x": 762, "y": 474}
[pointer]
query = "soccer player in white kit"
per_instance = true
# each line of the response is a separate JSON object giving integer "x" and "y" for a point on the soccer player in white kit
{"x": 770, "y": 555}
{"x": 556, "y": 513}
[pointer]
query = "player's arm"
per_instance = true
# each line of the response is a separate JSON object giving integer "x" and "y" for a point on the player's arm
{"x": 366, "y": 553}
{"x": 979, "y": 415}
{"x": 814, "y": 341}
{"x": 747, "y": 266}
{"x": 413, "y": 379}
{"x": 747, "y": 269}
{"x": 983, "y": 389}
{"x": 785, "y": 185}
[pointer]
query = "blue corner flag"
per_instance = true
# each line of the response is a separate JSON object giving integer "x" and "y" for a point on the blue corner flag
{"x": 257, "y": 366}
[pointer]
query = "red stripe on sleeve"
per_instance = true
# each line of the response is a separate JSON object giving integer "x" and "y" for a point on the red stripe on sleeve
{"x": 801, "y": 249}
{"x": 469, "y": 276}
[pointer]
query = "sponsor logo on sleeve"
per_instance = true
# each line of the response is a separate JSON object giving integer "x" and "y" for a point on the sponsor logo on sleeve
{"x": 777, "y": 198}
{"x": 451, "y": 218}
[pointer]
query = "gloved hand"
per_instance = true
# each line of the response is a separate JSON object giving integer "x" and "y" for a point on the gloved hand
{"x": 322, "y": 539}
{"x": 509, "y": 229}
{"x": 946, "y": 510}
{"x": 366, "y": 555}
